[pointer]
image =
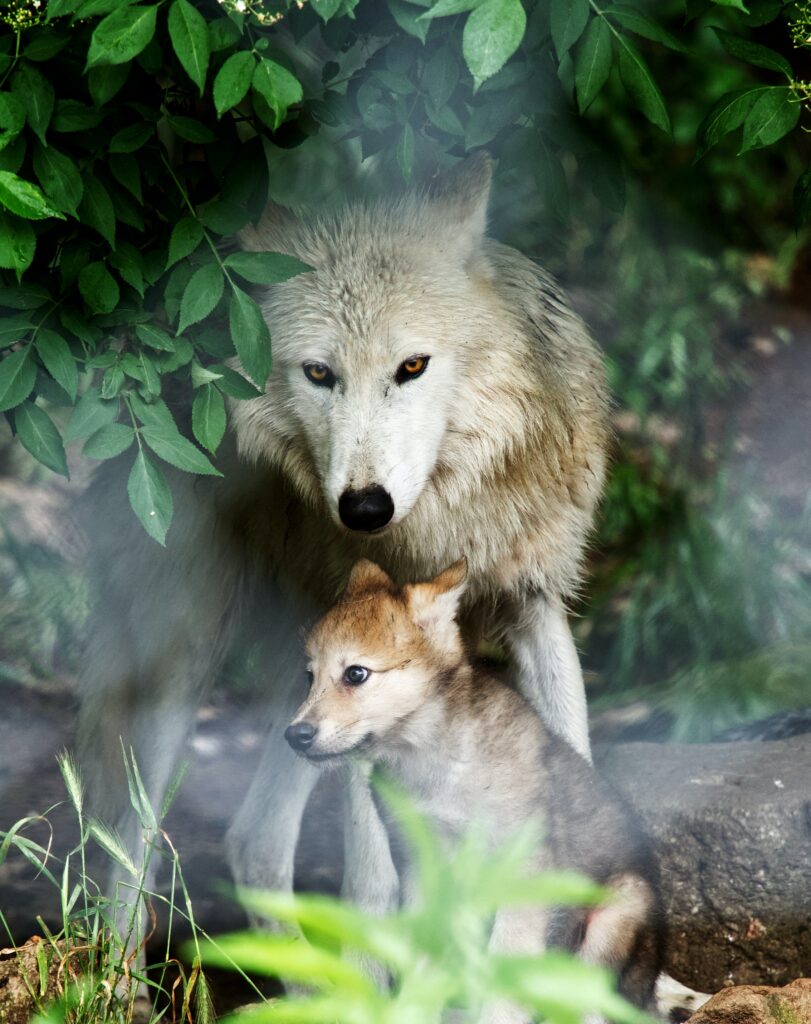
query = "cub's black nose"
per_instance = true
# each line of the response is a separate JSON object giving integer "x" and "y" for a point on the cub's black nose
{"x": 300, "y": 735}
{"x": 367, "y": 510}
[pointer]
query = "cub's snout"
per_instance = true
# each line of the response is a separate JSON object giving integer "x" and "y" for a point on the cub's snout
{"x": 300, "y": 735}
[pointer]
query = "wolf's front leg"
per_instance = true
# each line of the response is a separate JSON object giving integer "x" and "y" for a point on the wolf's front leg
{"x": 549, "y": 673}
{"x": 262, "y": 839}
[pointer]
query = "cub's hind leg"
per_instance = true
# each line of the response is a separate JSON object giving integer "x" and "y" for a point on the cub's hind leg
{"x": 626, "y": 936}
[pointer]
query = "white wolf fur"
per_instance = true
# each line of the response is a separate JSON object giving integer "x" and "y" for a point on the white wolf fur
{"x": 497, "y": 451}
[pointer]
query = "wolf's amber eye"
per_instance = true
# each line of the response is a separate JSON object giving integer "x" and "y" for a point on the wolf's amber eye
{"x": 320, "y": 374}
{"x": 411, "y": 368}
{"x": 355, "y": 675}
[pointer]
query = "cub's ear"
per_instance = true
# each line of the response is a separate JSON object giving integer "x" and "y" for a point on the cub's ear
{"x": 275, "y": 231}
{"x": 460, "y": 199}
{"x": 365, "y": 576}
{"x": 434, "y": 604}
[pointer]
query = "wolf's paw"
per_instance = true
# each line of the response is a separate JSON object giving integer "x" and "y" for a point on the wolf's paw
{"x": 675, "y": 1002}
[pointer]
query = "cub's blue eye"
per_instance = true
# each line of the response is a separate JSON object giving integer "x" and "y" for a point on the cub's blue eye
{"x": 355, "y": 675}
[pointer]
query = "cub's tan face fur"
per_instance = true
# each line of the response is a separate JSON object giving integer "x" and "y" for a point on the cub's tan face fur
{"x": 375, "y": 658}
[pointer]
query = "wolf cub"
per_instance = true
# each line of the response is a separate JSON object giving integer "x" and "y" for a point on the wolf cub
{"x": 390, "y": 680}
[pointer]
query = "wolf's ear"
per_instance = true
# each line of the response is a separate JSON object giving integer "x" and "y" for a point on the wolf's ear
{"x": 434, "y": 604}
{"x": 367, "y": 575}
{"x": 460, "y": 198}
{"x": 273, "y": 232}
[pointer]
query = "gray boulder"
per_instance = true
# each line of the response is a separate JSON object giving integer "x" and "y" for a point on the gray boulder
{"x": 732, "y": 826}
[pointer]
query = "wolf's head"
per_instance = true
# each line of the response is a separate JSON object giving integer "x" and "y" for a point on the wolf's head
{"x": 369, "y": 348}
{"x": 375, "y": 659}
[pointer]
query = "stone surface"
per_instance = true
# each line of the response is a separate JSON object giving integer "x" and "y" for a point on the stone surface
{"x": 758, "y": 1004}
{"x": 732, "y": 827}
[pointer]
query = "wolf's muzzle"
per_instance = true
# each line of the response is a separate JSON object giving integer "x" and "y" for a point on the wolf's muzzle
{"x": 366, "y": 510}
{"x": 300, "y": 735}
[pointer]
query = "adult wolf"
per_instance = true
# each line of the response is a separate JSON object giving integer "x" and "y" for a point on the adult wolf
{"x": 432, "y": 394}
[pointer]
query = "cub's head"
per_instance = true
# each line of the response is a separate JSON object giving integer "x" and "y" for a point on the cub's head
{"x": 371, "y": 349}
{"x": 374, "y": 661}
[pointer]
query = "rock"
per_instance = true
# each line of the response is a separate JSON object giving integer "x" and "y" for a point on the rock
{"x": 758, "y": 1004}
{"x": 32, "y": 975}
{"x": 732, "y": 826}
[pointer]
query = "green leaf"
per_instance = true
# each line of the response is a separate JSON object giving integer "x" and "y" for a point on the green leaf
{"x": 105, "y": 81}
{"x": 58, "y": 360}
{"x": 190, "y": 130}
{"x": 24, "y": 198}
{"x": 186, "y": 236}
{"x": 122, "y": 35}
{"x": 277, "y": 87}
{"x": 189, "y": 34}
{"x": 492, "y": 34}
{"x": 234, "y": 384}
{"x": 640, "y": 85}
{"x": 440, "y": 76}
{"x": 737, "y": 4}
{"x": 754, "y": 53}
{"x": 98, "y": 287}
{"x": 131, "y": 138}
{"x": 109, "y": 441}
{"x": 408, "y": 18}
{"x": 59, "y": 176}
{"x": 772, "y": 116}
{"x": 233, "y": 81}
{"x": 129, "y": 263}
{"x": 96, "y": 209}
{"x": 201, "y": 295}
{"x": 632, "y": 18}
{"x": 177, "y": 450}
{"x": 592, "y": 62}
{"x": 208, "y": 417}
{"x": 567, "y": 20}
{"x": 17, "y": 243}
{"x": 266, "y": 267}
{"x": 251, "y": 336}
{"x": 17, "y": 377}
{"x": 38, "y": 434}
{"x": 12, "y": 118}
{"x": 72, "y": 116}
{"x": 112, "y": 382}
{"x": 444, "y": 8}
{"x": 126, "y": 172}
{"x": 150, "y": 497}
{"x": 36, "y": 94}
{"x": 140, "y": 367}
{"x": 404, "y": 152}
{"x": 326, "y": 9}
{"x": 90, "y": 414}
{"x": 155, "y": 337}
{"x": 728, "y": 114}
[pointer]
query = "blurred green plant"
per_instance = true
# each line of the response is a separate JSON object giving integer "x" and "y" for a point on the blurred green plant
{"x": 436, "y": 954}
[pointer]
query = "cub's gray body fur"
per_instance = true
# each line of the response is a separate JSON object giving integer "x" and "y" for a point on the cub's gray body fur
{"x": 497, "y": 451}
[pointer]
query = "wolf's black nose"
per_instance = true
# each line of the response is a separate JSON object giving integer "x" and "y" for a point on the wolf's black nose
{"x": 367, "y": 510}
{"x": 300, "y": 735}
